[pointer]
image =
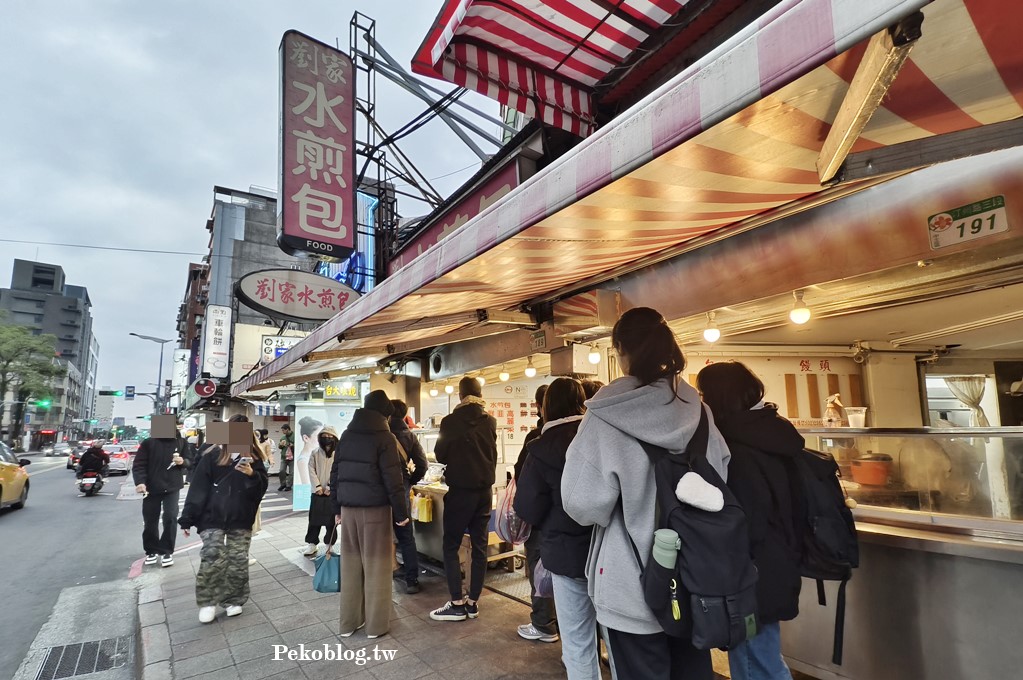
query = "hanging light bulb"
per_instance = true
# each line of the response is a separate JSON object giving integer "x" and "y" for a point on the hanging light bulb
{"x": 503, "y": 376}
{"x": 434, "y": 392}
{"x": 530, "y": 371}
{"x": 449, "y": 389}
{"x": 481, "y": 380}
{"x": 711, "y": 333}
{"x": 594, "y": 355}
{"x": 800, "y": 313}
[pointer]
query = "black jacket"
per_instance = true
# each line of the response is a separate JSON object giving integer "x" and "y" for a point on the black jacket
{"x": 220, "y": 497}
{"x": 151, "y": 464}
{"x": 93, "y": 460}
{"x": 468, "y": 446}
{"x": 413, "y": 449}
{"x": 564, "y": 544}
{"x": 761, "y": 474}
{"x": 367, "y": 468}
{"x": 524, "y": 453}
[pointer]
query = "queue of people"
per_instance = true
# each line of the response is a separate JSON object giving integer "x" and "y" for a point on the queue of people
{"x": 584, "y": 484}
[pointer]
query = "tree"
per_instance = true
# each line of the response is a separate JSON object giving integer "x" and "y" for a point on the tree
{"x": 129, "y": 432}
{"x": 27, "y": 369}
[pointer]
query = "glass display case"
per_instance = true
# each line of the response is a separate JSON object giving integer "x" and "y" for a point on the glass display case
{"x": 955, "y": 479}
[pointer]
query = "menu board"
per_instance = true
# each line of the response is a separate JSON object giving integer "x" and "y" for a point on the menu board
{"x": 516, "y": 412}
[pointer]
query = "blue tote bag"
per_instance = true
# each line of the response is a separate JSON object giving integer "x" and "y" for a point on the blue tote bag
{"x": 327, "y": 577}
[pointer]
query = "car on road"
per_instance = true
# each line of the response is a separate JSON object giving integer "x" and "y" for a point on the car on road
{"x": 13, "y": 479}
{"x": 73, "y": 457}
{"x": 120, "y": 459}
{"x": 130, "y": 445}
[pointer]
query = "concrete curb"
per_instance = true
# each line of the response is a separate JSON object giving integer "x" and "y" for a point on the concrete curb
{"x": 154, "y": 644}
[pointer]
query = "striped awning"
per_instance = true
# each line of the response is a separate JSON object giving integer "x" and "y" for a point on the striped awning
{"x": 729, "y": 144}
{"x": 542, "y": 58}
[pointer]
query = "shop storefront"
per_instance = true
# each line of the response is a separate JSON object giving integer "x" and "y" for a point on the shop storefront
{"x": 707, "y": 201}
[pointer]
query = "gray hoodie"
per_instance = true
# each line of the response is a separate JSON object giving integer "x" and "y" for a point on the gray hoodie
{"x": 605, "y": 463}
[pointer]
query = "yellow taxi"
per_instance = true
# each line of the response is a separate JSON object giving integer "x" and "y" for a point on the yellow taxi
{"x": 13, "y": 479}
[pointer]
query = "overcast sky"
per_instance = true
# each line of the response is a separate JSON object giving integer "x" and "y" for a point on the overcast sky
{"x": 120, "y": 116}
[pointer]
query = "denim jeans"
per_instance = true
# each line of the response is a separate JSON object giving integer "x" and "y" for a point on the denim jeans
{"x": 578, "y": 623}
{"x": 760, "y": 658}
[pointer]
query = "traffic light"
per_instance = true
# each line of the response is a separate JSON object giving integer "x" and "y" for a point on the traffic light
{"x": 41, "y": 403}
{"x": 111, "y": 393}
{"x": 94, "y": 421}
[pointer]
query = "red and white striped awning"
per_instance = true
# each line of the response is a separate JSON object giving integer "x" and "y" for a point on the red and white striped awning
{"x": 731, "y": 141}
{"x": 539, "y": 57}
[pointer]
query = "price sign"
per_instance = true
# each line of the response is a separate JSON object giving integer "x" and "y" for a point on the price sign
{"x": 967, "y": 223}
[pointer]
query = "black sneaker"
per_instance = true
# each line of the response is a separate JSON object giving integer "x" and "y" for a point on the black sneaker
{"x": 152, "y": 558}
{"x": 472, "y": 610}
{"x": 412, "y": 588}
{"x": 449, "y": 612}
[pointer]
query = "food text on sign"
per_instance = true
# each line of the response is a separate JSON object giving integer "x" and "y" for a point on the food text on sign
{"x": 270, "y": 289}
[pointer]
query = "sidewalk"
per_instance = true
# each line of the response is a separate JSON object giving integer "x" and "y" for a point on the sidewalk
{"x": 285, "y": 610}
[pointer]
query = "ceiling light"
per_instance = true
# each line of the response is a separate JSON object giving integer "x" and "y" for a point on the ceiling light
{"x": 711, "y": 333}
{"x": 503, "y": 376}
{"x": 530, "y": 371}
{"x": 449, "y": 389}
{"x": 434, "y": 392}
{"x": 481, "y": 380}
{"x": 800, "y": 313}
{"x": 594, "y": 356}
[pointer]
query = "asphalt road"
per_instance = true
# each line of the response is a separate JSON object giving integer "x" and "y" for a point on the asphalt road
{"x": 58, "y": 540}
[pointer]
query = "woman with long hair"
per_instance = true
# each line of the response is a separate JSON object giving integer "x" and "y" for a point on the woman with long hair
{"x": 564, "y": 543}
{"x": 309, "y": 431}
{"x": 222, "y": 502}
{"x": 608, "y": 483}
{"x": 760, "y": 474}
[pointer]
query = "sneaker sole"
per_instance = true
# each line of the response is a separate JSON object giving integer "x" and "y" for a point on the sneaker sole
{"x": 447, "y": 617}
{"x": 473, "y": 616}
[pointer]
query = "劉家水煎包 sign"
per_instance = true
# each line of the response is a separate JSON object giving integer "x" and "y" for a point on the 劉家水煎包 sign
{"x": 294, "y": 295}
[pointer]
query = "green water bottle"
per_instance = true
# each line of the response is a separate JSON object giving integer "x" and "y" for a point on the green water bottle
{"x": 666, "y": 545}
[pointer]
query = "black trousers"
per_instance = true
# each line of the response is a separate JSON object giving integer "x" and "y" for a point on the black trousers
{"x": 466, "y": 511}
{"x": 153, "y": 542}
{"x": 655, "y": 657}
{"x": 409, "y": 552}
{"x": 321, "y": 514}
{"x": 543, "y": 617}
{"x": 285, "y": 475}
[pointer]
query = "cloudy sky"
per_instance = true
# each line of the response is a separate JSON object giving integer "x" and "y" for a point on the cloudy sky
{"x": 120, "y": 116}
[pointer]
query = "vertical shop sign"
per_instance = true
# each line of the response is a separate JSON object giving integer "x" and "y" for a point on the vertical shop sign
{"x": 316, "y": 154}
{"x": 216, "y": 346}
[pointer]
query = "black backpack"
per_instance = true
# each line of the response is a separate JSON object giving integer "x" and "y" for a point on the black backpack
{"x": 828, "y": 534}
{"x": 709, "y": 598}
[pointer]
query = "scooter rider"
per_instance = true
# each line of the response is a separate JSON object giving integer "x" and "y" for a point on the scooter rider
{"x": 95, "y": 459}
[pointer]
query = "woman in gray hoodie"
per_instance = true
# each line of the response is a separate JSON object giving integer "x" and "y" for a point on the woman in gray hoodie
{"x": 608, "y": 483}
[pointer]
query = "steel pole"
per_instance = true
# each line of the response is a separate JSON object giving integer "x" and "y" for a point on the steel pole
{"x": 159, "y": 381}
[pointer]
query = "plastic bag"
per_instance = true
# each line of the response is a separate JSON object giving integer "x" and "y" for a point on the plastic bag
{"x": 509, "y": 526}
{"x": 425, "y": 511}
{"x": 543, "y": 583}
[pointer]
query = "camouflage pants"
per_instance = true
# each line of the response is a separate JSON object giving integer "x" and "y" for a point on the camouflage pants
{"x": 223, "y": 577}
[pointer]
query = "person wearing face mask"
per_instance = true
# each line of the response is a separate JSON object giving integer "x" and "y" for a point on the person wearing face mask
{"x": 321, "y": 512}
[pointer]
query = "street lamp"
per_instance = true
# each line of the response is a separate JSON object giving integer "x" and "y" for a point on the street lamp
{"x": 159, "y": 375}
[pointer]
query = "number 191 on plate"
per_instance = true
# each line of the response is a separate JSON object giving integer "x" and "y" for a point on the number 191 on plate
{"x": 967, "y": 222}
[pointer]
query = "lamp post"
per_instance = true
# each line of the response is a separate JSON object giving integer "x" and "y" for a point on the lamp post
{"x": 159, "y": 375}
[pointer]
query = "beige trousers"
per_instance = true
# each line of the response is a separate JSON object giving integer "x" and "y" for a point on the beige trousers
{"x": 366, "y": 545}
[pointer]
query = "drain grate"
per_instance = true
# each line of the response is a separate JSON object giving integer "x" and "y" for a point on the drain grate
{"x": 83, "y": 658}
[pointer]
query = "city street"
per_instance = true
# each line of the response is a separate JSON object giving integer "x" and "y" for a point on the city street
{"x": 60, "y": 539}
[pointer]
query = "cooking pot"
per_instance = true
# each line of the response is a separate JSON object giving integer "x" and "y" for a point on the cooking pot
{"x": 872, "y": 470}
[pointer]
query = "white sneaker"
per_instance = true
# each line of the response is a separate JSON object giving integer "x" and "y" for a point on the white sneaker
{"x": 207, "y": 614}
{"x": 310, "y": 549}
{"x": 152, "y": 558}
{"x": 234, "y": 610}
{"x": 167, "y": 561}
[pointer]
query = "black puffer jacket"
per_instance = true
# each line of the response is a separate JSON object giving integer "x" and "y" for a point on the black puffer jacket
{"x": 367, "y": 468}
{"x": 565, "y": 543}
{"x": 413, "y": 449}
{"x": 761, "y": 474}
{"x": 153, "y": 465}
{"x": 220, "y": 497}
{"x": 468, "y": 446}
{"x": 520, "y": 462}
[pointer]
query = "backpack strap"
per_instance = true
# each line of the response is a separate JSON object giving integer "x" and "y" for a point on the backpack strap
{"x": 836, "y": 655}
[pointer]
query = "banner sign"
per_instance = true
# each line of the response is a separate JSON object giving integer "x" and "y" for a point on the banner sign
{"x": 273, "y": 346}
{"x": 294, "y": 294}
{"x": 316, "y": 196}
{"x": 216, "y": 345}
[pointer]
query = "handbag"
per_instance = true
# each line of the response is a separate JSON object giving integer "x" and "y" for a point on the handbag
{"x": 327, "y": 577}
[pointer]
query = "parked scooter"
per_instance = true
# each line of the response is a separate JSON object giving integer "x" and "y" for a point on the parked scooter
{"x": 90, "y": 483}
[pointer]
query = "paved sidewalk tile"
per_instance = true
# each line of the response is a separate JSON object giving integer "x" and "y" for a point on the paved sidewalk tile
{"x": 285, "y": 615}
